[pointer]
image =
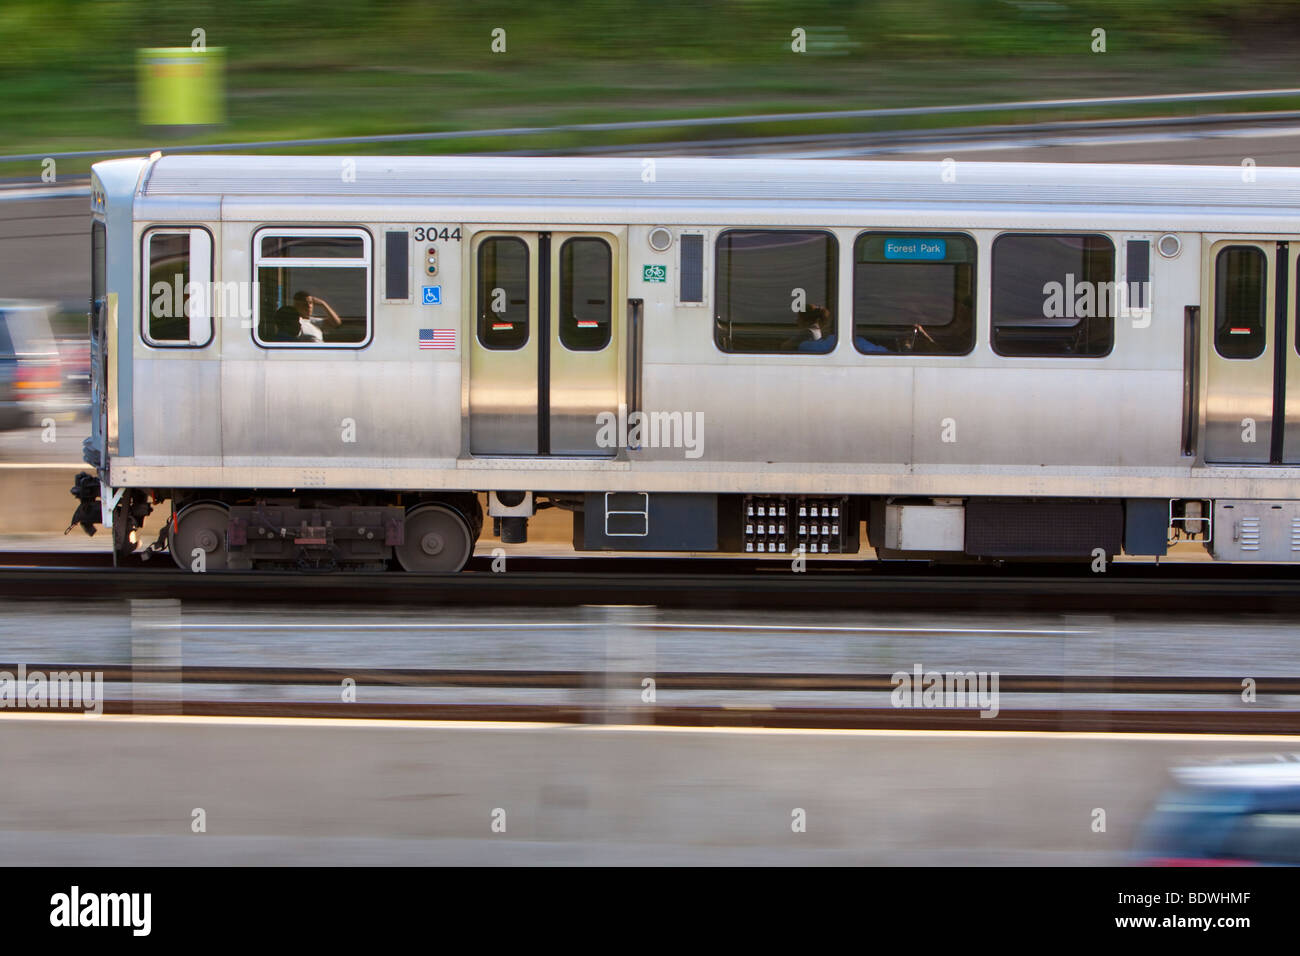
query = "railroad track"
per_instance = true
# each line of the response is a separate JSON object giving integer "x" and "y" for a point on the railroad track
{"x": 140, "y": 701}
{"x": 815, "y": 718}
{"x": 679, "y": 680}
{"x": 679, "y": 582}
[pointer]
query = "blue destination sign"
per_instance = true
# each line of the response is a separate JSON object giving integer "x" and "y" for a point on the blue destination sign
{"x": 916, "y": 248}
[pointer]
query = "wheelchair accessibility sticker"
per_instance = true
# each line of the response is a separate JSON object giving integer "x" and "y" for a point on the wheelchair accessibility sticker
{"x": 433, "y": 295}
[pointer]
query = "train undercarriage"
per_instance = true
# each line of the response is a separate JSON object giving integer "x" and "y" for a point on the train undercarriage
{"x": 217, "y": 530}
{"x": 436, "y": 532}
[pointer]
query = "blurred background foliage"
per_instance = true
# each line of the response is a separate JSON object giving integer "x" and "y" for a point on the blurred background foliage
{"x": 304, "y": 68}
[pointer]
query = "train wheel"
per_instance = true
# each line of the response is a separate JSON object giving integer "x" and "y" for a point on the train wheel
{"x": 200, "y": 526}
{"x": 438, "y": 540}
{"x": 125, "y": 534}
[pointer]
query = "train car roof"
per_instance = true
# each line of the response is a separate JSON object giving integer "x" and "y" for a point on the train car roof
{"x": 751, "y": 181}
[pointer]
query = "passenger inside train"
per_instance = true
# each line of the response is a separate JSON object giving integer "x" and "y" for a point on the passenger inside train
{"x": 298, "y": 323}
{"x": 816, "y": 332}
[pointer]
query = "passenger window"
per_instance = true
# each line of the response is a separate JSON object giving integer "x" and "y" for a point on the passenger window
{"x": 1053, "y": 296}
{"x": 585, "y": 310}
{"x": 328, "y": 246}
{"x": 1240, "y": 291}
{"x": 177, "y": 290}
{"x": 169, "y": 275}
{"x": 313, "y": 288}
{"x": 775, "y": 291}
{"x": 914, "y": 294}
{"x": 503, "y": 293}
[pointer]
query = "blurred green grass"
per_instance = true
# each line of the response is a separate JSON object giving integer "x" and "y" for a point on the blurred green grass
{"x": 320, "y": 68}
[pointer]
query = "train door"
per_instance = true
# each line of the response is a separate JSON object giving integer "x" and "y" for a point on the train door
{"x": 544, "y": 342}
{"x": 99, "y": 338}
{"x": 1253, "y": 369}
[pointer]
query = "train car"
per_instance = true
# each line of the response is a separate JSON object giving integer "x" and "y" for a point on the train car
{"x": 323, "y": 362}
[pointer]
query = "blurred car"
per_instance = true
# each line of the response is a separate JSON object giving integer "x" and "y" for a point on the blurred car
{"x": 31, "y": 375}
{"x": 74, "y": 356}
{"x": 1232, "y": 814}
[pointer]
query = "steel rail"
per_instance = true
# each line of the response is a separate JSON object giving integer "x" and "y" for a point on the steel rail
{"x": 1180, "y": 722}
{"x": 667, "y": 680}
{"x": 1100, "y": 595}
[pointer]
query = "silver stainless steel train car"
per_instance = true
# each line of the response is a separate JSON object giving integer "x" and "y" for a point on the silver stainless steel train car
{"x": 320, "y": 362}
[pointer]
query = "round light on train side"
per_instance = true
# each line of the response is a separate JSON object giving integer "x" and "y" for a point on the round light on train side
{"x": 1169, "y": 245}
{"x": 661, "y": 239}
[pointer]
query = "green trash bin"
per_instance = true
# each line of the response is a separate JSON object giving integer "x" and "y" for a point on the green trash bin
{"x": 180, "y": 86}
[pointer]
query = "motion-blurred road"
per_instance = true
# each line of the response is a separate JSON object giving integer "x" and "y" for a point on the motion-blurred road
{"x": 95, "y": 790}
{"x": 60, "y": 444}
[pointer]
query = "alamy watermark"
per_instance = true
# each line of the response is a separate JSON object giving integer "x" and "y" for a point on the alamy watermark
{"x": 61, "y": 690}
{"x": 178, "y": 298}
{"x": 1087, "y": 300}
{"x": 76, "y": 909}
{"x": 651, "y": 430}
{"x": 957, "y": 689}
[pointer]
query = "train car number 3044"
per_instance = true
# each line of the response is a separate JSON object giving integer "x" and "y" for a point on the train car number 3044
{"x": 429, "y": 233}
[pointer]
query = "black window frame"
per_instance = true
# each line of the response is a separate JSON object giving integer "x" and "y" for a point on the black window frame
{"x": 832, "y": 297}
{"x": 272, "y": 234}
{"x": 973, "y": 263}
{"x": 144, "y": 310}
{"x": 566, "y": 324}
{"x": 993, "y": 296}
{"x": 1220, "y": 299}
{"x": 480, "y": 306}
{"x": 309, "y": 229}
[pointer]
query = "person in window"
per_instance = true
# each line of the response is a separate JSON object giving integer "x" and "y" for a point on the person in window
{"x": 310, "y": 326}
{"x": 281, "y": 326}
{"x": 814, "y": 332}
{"x": 865, "y": 345}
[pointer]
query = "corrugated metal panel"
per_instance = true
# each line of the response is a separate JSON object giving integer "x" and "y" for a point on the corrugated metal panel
{"x": 557, "y": 179}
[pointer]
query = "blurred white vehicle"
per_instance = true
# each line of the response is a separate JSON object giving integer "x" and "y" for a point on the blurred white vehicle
{"x": 31, "y": 373}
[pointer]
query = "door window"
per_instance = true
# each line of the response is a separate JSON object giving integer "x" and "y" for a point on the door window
{"x": 585, "y": 308}
{"x": 503, "y": 293}
{"x": 1240, "y": 290}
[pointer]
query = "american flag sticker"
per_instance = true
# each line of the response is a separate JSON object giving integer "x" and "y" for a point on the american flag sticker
{"x": 437, "y": 338}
